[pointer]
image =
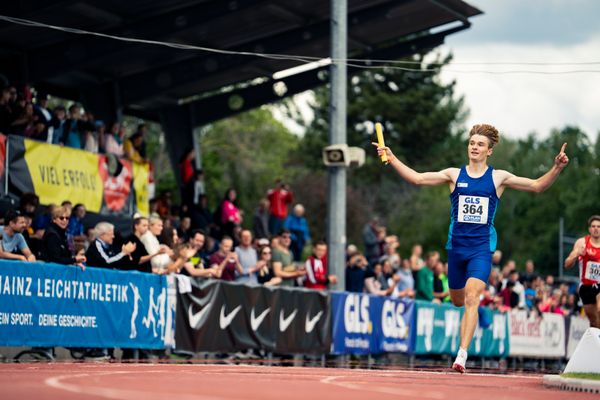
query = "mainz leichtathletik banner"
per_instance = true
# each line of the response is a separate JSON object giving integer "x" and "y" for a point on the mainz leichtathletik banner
{"x": 58, "y": 305}
{"x": 57, "y": 173}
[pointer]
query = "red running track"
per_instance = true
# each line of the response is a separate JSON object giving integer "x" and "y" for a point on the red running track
{"x": 224, "y": 382}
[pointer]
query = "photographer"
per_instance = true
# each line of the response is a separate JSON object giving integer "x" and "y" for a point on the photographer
{"x": 226, "y": 261}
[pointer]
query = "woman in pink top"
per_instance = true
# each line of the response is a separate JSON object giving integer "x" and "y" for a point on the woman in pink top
{"x": 231, "y": 217}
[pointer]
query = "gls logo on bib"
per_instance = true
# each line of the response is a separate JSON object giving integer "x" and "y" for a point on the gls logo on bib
{"x": 473, "y": 209}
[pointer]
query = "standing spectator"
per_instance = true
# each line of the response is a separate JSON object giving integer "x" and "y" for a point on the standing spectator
{"x": 406, "y": 283}
{"x": 496, "y": 259}
{"x": 298, "y": 227}
{"x": 370, "y": 234}
{"x": 248, "y": 258}
{"x": 265, "y": 274}
{"x": 424, "y": 277}
{"x": 226, "y": 261}
{"x": 186, "y": 164}
{"x": 441, "y": 290}
{"x": 55, "y": 246}
{"x": 529, "y": 275}
{"x": 510, "y": 298}
{"x": 279, "y": 198}
{"x": 355, "y": 273}
{"x": 44, "y": 115}
{"x": 373, "y": 283}
{"x": 6, "y": 112}
{"x": 317, "y": 274}
{"x": 58, "y": 123}
{"x": 231, "y": 217}
{"x": 141, "y": 259}
{"x": 391, "y": 252}
{"x": 416, "y": 260}
{"x": 24, "y": 124}
{"x": 194, "y": 190}
{"x": 162, "y": 254}
{"x": 102, "y": 253}
{"x": 194, "y": 267}
{"x": 14, "y": 246}
{"x": 131, "y": 148}
{"x": 185, "y": 228}
{"x": 260, "y": 220}
{"x": 202, "y": 217}
{"x": 75, "y": 229}
{"x": 114, "y": 140}
{"x": 518, "y": 288}
{"x": 283, "y": 264}
{"x": 72, "y": 129}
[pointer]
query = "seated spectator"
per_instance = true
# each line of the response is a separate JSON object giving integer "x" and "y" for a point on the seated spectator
{"x": 14, "y": 246}
{"x": 265, "y": 274}
{"x": 355, "y": 273}
{"x": 55, "y": 246}
{"x": 102, "y": 253}
{"x": 195, "y": 266}
{"x": 226, "y": 261}
{"x": 58, "y": 123}
{"x": 248, "y": 258}
{"x": 317, "y": 276}
{"x": 6, "y": 111}
{"x": 42, "y": 221}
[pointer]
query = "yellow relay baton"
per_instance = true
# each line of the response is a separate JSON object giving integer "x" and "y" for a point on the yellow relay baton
{"x": 380, "y": 141}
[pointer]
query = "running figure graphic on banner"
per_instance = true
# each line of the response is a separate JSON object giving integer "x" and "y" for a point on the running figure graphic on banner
{"x": 475, "y": 191}
{"x": 587, "y": 251}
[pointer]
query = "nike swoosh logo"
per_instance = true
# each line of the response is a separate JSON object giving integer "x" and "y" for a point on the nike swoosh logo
{"x": 285, "y": 322}
{"x": 255, "y": 322}
{"x": 310, "y": 323}
{"x": 195, "y": 318}
{"x": 225, "y": 320}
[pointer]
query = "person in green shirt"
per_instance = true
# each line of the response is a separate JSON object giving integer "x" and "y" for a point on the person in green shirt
{"x": 283, "y": 264}
{"x": 424, "y": 277}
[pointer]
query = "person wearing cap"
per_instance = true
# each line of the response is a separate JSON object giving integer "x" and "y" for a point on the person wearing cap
{"x": 14, "y": 246}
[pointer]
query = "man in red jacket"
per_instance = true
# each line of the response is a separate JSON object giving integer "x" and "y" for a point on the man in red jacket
{"x": 279, "y": 199}
{"x": 316, "y": 268}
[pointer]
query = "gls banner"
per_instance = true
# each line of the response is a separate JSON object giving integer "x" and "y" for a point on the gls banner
{"x": 366, "y": 324}
{"x": 228, "y": 316}
{"x": 57, "y": 305}
{"x": 437, "y": 331}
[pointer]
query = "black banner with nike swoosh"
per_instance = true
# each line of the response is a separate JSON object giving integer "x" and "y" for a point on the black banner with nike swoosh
{"x": 217, "y": 316}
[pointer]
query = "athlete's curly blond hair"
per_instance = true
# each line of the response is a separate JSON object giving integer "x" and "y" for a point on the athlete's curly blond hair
{"x": 488, "y": 131}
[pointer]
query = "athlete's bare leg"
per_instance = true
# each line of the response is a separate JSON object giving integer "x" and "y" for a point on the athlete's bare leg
{"x": 592, "y": 311}
{"x": 473, "y": 291}
{"x": 469, "y": 297}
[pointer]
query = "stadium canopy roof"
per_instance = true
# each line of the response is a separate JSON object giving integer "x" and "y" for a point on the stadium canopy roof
{"x": 144, "y": 80}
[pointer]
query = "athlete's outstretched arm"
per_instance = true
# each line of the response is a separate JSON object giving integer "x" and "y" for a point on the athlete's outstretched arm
{"x": 578, "y": 250}
{"x": 414, "y": 177}
{"x": 540, "y": 184}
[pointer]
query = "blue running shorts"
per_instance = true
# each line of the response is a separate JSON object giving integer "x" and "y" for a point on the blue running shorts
{"x": 468, "y": 263}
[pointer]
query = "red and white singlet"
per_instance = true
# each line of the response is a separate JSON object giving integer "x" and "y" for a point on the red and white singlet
{"x": 589, "y": 264}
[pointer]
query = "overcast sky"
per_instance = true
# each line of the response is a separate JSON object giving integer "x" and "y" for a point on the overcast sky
{"x": 530, "y": 31}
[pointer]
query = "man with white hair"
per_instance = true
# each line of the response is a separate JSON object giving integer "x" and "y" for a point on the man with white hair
{"x": 297, "y": 225}
{"x": 102, "y": 253}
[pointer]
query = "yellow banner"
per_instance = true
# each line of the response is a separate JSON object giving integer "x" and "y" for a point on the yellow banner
{"x": 61, "y": 173}
{"x": 141, "y": 174}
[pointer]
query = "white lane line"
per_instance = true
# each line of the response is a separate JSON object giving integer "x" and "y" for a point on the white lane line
{"x": 333, "y": 380}
{"x": 57, "y": 382}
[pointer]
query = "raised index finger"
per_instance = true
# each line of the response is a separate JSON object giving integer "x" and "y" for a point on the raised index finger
{"x": 564, "y": 146}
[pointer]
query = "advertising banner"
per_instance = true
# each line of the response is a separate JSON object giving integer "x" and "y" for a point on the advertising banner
{"x": 366, "y": 324}
{"x": 535, "y": 336}
{"x": 57, "y": 305}
{"x": 577, "y": 327}
{"x": 228, "y": 316}
{"x": 104, "y": 184}
{"x": 437, "y": 331}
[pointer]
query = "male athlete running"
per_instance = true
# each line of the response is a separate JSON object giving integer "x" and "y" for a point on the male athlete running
{"x": 587, "y": 250}
{"x": 475, "y": 191}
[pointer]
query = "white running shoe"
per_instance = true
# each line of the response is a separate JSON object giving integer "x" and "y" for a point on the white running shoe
{"x": 460, "y": 362}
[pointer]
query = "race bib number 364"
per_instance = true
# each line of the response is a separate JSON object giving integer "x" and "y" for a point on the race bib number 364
{"x": 473, "y": 209}
{"x": 592, "y": 272}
